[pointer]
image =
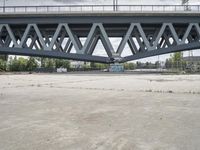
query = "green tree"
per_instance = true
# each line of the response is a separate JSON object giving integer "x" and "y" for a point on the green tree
{"x": 49, "y": 63}
{"x": 129, "y": 66}
{"x": 3, "y": 62}
{"x": 13, "y": 64}
{"x": 42, "y": 60}
{"x": 168, "y": 63}
{"x": 22, "y": 64}
{"x": 138, "y": 65}
{"x": 147, "y": 65}
{"x": 31, "y": 64}
{"x": 98, "y": 66}
{"x": 92, "y": 65}
{"x": 19, "y": 64}
{"x": 2, "y": 65}
{"x": 4, "y": 57}
{"x": 177, "y": 59}
{"x": 62, "y": 63}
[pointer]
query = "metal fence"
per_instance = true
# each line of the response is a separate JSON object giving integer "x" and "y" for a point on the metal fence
{"x": 100, "y": 8}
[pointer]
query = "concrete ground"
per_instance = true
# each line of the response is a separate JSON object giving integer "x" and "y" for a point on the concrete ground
{"x": 99, "y": 112}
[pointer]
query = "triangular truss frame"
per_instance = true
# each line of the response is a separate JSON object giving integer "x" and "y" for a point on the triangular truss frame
{"x": 164, "y": 40}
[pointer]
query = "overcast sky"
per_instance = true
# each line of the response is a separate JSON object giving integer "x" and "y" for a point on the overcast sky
{"x": 108, "y": 2}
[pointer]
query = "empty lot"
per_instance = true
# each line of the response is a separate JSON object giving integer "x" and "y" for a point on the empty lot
{"x": 99, "y": 112}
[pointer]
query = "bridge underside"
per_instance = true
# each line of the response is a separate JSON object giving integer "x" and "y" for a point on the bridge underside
{"x": 77, "y": 37}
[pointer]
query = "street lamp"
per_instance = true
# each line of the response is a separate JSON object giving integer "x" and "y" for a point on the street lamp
{"x": 115, "y": 3}
{"x": 4, "y": 6}
{"x": 186, "y": 3}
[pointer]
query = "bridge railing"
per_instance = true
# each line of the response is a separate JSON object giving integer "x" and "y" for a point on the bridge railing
{"x": 100, "y": 8}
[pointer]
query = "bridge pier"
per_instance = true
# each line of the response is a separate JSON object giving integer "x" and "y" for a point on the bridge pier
{"x": 116, "y": 67}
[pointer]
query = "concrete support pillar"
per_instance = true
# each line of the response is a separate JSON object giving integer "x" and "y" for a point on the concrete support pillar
{"x": 116, "y": 67}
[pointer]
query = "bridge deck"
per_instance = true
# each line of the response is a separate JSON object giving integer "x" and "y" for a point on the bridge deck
{"x": 103, "y": 17}
{"x": 98, "y": 13}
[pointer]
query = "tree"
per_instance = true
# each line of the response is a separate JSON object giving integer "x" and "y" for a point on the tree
{"x": 4, "y": 57}
{"x": 92, "y": 65}
{"x": 47, "y": 63}
{"x": 12, "y": 63}
{"x": 147, "y": 65}
{"x": 176, "y": 61}
{"x": 157, "y": 64}
{"x": 22, "y": 64}
{"x": 31, "y": 64}
{"x": 62, "y": 63}
{"x": 168, "y": 63}
{"x": 2, "y": 65}
{"x": 42, "y": 60}
{"x": 50, "y": 63}
{"x": 129, "y": 66}
{"x": 19, "y": 64}
{"x": 98, "y": 66}
{"x": 3, "y": 60}
{"x": 177, "y": 57}
{"x": 138, "y": 65}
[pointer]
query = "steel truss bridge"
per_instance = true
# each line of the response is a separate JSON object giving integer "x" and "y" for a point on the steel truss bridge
{"x": 58, "y": 31}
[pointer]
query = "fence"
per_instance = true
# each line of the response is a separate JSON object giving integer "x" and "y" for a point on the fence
{"x": 100, "y": 8}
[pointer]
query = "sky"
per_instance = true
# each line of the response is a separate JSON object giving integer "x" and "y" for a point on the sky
{"x": 124, "y": 2}
{"x": 108, "y": 2}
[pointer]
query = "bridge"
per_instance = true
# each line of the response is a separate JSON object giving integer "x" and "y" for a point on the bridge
{"x": 59, "y": 31}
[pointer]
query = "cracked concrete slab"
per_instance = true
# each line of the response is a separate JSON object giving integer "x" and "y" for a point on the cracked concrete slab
{"x": 87, "y": 112}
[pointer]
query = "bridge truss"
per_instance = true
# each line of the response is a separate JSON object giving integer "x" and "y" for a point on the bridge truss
{"x": 64, "y": 39}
